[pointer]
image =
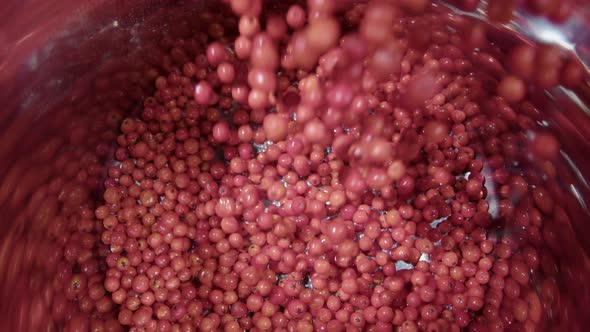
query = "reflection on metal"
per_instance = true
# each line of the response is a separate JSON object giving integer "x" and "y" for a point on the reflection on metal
{"x": 575, "y": 169}
{"x": 401, "y": 265}
{"x": 435, "y": 223}
{"x": 578, "y": 196}
{"x": 546, "y": 32}
{"x": 424, "y": 257}
{"x": 573, "y": 97}
{"x": 573, "y": 36}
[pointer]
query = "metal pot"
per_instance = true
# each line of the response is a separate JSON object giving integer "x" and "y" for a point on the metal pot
{"x": 64, "y": 64}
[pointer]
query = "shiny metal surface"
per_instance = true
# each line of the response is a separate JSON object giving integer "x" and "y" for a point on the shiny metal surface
{"x": 53, "y": 57}
{"x": 572, "y": 35}
{"x": 52, "y": 54}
